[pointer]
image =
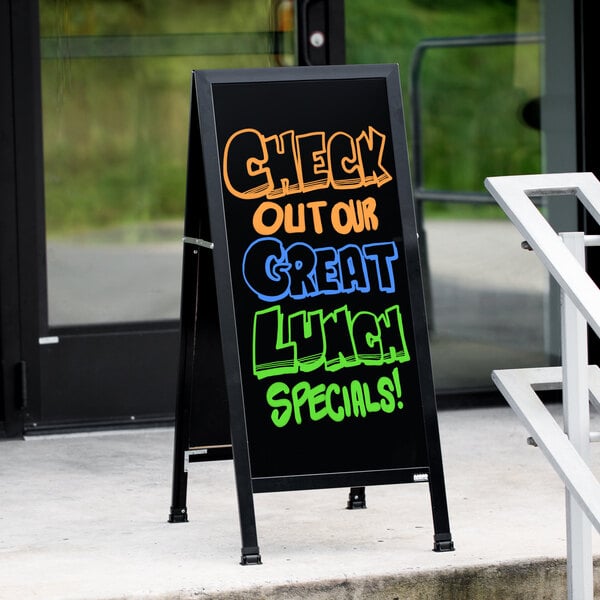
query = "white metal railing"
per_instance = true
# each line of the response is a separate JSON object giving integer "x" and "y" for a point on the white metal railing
{"x": 564, "y": 257}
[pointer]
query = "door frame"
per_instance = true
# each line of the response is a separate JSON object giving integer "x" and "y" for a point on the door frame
{"x": 36, "y": 373}
{"x": 47, "y": 370}
{"x": 587, "y": 46}
{"x": 22, "y": 193}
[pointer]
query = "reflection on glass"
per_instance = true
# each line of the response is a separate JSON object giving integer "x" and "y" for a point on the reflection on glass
{"x": 116, "y": 93}
{"x": 475, "y": 116}
{"x": 473, "y": 109}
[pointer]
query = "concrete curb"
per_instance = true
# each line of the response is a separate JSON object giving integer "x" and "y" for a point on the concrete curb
{"x": 83, "y": 517}
{"x": 544, "y": 579}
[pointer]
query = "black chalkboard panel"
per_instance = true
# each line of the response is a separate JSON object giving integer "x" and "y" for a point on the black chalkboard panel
{"x": 302, "y": 248}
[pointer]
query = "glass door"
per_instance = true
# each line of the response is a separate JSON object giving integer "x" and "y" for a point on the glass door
{"x": 115, "y": 94}
{"x": 100, "y": 207}
{"x": 115, "y": 84}
{"x": 472, "y": 77}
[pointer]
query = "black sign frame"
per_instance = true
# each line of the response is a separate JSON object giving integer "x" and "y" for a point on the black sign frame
{"x": 212, "y": 378}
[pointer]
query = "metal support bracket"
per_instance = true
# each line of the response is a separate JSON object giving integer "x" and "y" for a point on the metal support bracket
{"x": 519, "y": 387}
{"x": 198, "y": 242}
{"x": 188, "y": 453}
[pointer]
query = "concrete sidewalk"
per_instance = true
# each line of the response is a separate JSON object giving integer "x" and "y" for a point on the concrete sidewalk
{"x": 84, "y": 517}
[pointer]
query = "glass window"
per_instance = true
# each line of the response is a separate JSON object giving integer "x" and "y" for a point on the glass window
{"x": 471, "y": 74}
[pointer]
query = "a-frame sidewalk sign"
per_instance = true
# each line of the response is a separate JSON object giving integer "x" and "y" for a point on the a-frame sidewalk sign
{"x": 304, "y": 342}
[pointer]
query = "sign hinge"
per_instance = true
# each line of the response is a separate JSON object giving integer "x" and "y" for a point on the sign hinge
{"x": 198, "y": 242}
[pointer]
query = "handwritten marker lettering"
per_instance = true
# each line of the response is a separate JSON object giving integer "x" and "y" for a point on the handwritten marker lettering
{"x": 352, "y": 216}
{"x": 270, "y": 169}
{"x": 307, "y": 341}
{"x": 334, "y": 402}
{"x": 291, "y": 163}
{"x": 300, "y": 271}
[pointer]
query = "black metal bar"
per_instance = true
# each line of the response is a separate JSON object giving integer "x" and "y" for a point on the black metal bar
{"x": 27, "y": 194}
{"x": 189, "y": 302}
{"x": 10, "y": 333}
{"x": 352, "y": 479}
{"x": 336, "y": 33}
{"x": 437, "y": 488}
{"x": 320, "y": 32}
{"x": 588, "y": 130}
{"x": 85, "y": 425}
{"x": 217, "y": 234}
{"x": 442, "y": 538}
{"x": 189, "y": 315}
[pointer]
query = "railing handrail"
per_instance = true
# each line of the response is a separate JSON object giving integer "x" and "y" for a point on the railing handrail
{"x": 564, "y": 256}
{"x": 514, "y": 194}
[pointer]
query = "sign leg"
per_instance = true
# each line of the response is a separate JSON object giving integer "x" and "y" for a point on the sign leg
{"x": 178, "y": 513}
{"x": 189, "y": 304}
{"x": 442, "y": 538}
{"x": 250, "y": 549}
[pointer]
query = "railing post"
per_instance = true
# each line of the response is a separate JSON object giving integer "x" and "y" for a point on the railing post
{"x": 577, "y": 426}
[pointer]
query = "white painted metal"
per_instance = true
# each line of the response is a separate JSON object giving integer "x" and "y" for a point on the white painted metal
{"x": 518, "y": 387}
{"x": 514, "y": 193}
{"x": 576, "y": 412}
{"x": 580, "y": 297}
{"x": 592, "y": 240}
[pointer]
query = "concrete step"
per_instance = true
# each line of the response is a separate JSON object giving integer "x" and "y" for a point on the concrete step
{"x": 84, "y": 517}
{"x": 526, "y": 580}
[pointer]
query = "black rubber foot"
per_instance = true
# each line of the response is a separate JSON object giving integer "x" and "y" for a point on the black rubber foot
{"x": 356, "y": 498}
{"x": 178, "y": 515}
{"x": 251, "y": 556}
{"x": 443, "y": 545}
